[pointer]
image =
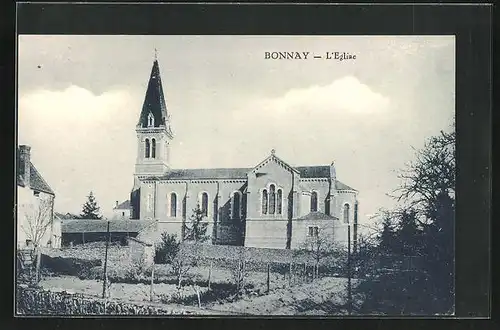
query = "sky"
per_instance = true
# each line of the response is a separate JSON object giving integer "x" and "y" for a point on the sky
{"x": 79, "y": 99}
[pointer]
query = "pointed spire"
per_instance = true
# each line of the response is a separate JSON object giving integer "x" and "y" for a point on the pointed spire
{"x": 154, "y": 101}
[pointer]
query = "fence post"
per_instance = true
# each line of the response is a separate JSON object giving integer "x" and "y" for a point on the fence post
{"x": 152, "y": 277}
{"x": 38, "y": 263}
{"x": 349, "y": 289}
{"x": 268, "y": 276}
{"x": 210, "y": 273}
{"x": 290, "y": 271}
{"x": 105, "y": 282}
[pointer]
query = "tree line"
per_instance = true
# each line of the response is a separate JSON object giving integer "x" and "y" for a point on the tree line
{"x": 409, "y": 264}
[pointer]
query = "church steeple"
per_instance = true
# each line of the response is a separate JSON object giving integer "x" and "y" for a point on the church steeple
{"x": 153, "y": 129}
{"x": 154, "y": 109}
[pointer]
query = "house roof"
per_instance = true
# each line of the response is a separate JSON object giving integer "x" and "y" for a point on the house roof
{"x": 140, "y": 241}
{"x": 317, "y": 216}
{"x": 36, "y": 181}
{"x": 100, "y": 226}
{"x": 123, "y": 206}
{"x": 66, "y": 215}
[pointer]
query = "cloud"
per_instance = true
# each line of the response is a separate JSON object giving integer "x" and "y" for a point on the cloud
{"x": 81, "y": 142}
{"x": 346, "y": 94}
{"x": 327, "y": 121}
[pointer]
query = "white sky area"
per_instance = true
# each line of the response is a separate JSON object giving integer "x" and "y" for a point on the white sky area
{"x": 80, "y": 98}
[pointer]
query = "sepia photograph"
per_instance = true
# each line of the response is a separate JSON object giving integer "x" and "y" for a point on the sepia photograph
{"x": 235, "y": 175}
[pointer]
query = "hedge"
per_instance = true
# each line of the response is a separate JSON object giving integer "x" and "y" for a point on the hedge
{"x": 34, "y": 301}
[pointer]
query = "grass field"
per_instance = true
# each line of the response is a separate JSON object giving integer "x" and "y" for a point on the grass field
{"x": 322, "y": 296}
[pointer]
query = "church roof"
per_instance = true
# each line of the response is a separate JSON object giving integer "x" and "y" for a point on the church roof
{"x": 317, "y": 216}
{"x": 207, "y": 173}
{"x": 154, "y": 101}
{"x": 100, "y": 226}
{"x": 241, "y": 173}
{"x": 314, "y": 171}
{"x": 276, "y": 159}
{"x": 123, "y": 206}
{"x": 343, "y": 186}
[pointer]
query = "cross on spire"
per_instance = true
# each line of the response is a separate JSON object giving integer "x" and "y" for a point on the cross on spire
{"x": 156, "y": 54}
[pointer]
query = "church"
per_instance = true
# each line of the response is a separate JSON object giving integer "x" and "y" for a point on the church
{"x": 270, "y": 204}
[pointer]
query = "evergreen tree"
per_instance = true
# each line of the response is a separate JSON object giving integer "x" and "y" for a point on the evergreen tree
{"x": 197, "y": 231}
{"x": 408, "y": 233}
{"x": 387, "y": 237}
{"x": 90, "y": 209}
{"x": 168, "y": 249}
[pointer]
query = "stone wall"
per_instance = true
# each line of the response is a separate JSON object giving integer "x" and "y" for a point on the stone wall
{"x": 93, "y": 251}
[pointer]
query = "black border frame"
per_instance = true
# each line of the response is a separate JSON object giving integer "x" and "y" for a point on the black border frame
{"x": 471, "y": 24}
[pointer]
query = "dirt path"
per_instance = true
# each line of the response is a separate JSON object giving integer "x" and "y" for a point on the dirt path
{"x": 324, "y": 296}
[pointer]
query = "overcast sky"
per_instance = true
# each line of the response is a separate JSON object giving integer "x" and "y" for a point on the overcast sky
{"x": 80, "y": 99}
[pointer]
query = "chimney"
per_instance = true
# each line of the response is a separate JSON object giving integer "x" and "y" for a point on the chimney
{"x": 116, "y": 204}
{"x": 24, "y": 164}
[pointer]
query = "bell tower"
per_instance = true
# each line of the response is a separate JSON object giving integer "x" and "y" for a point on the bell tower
{"x": 154, "y": 133}
{"x": 154, "y": 136}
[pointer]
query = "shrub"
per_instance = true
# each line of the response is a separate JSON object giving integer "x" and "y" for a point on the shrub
{"x": 167, "y": 249}
{"x": 32, "y": 301}
{"x": 68, "y": 266}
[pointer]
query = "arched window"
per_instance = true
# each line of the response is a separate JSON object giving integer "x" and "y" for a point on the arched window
{"x": 173, "y": 204}
{"x": 279, "y": 201}
{"x": 264, "y": 201}
{"x": 204, "y": 203}
{"x": 147, "y": 148}
{"x": 151, "y": 120}
{"x": 272, "y": 199}
{"x": 235, "y": 211}
{"x": 346, "y": 213}
{"x": 153, "y": 148}
{"x": 314, "y": 201}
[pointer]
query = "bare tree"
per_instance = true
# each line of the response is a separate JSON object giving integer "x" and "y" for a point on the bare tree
{"x": 429, "y": 176}
{"x": 180, "y": 267}
{"x": 239, "y": 271}
{"x": 318, "y": 247}
{"x": 38, "y": 219}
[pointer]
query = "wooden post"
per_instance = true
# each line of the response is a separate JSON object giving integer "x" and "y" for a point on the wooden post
{"x": 268, "y": 276}
{"x": 210, "y": 273}
{"x": 290, "y": 272}
{"x": 152, "y": 277}
{"x": 349, "y": 293}
{"x": 38, "y": 263}
{"x": 105, "y": 282}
